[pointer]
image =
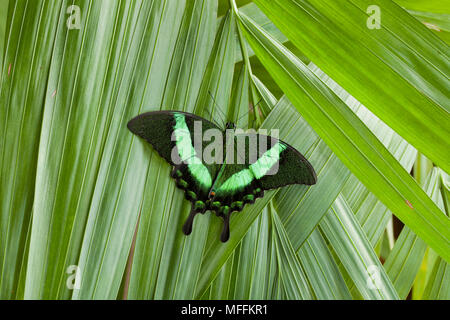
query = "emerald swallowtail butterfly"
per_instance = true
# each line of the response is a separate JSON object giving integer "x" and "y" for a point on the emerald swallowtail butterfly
{"x": 224, "y": 186}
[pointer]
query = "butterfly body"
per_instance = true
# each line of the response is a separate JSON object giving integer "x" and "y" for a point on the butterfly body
{"x": 225, "y": 186}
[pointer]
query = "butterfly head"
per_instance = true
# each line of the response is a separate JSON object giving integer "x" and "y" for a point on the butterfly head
{"x": 231, "y": 125}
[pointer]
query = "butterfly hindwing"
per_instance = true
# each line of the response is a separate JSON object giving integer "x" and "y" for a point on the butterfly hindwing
{"x": 265, "y": 163}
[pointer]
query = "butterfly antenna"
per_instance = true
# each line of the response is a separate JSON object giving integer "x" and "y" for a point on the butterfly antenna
{"x": 248, "y": 111}
{"x": 222, "y": 115}
{"x": 212, "y": 119}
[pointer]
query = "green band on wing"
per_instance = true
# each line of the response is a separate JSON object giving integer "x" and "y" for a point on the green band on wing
{"x": 237, "y": 181}
{"x": 265, "y": 163}
{"x": 187, "y": 152}
{"x": 256, "y": 170}
{"x": 183, "y": 140}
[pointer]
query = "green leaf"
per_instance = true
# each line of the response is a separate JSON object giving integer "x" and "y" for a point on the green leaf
{"x": 261, "y": 19}
{"x": 404, "y": 77}
{"x": 253, "y": 265}
{"x": 434, "y": 21}
{"x": 3, "y": 18}
{"x": 322, "y": 270}
{"x": 329, "y": 283}
{"x": 292, "y": 275}
{"x": 438, "y": 286}
{"x": 301, "y": 208}
{"x": 371, "y": 213}
{"x": 267, "y": 97}
{"x": 78, "y": 115}
{"x": 425, "y": 5}
{"x": 352, "y": 142}
{"x": 251, "y": 272}
{"x": 438, "y": 23}
{"x": 406, "y": 256}
{"x": 355, "y": 252}
{"x": 23, "y": 90}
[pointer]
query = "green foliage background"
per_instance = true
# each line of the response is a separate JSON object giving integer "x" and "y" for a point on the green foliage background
{"x": 366, "y": 106}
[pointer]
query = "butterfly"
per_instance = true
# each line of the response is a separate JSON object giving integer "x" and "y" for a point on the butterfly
{"x": 233, "y": 177}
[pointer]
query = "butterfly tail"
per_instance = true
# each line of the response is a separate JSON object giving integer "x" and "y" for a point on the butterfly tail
{"x": 187, "y": 227}
{"x": 226, "y": 228}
